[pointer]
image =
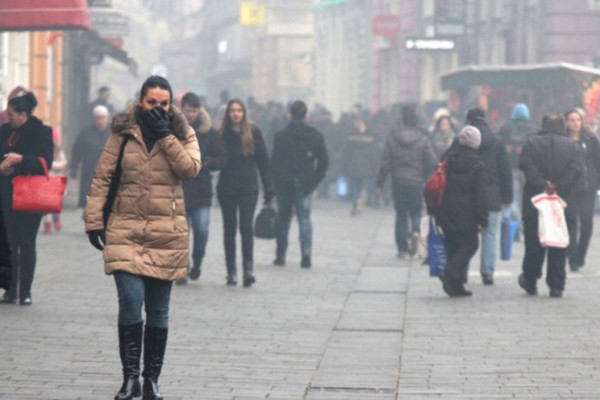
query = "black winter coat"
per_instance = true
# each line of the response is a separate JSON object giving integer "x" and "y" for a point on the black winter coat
{"x": 300, "y": 159}
{"x": 499, "y": 171}
{"x": 359, "y": 159}
{"x": 239, "y": 175}
{"x": 465, "y": 201}
{"x": 409, "y": 156}
{"x": 33, "y": 139}
{"x": 551, "y": 156}
{"x": 591, "y": 149}
{"x": 198, "y": 191}
{"x": 85, "y": 154}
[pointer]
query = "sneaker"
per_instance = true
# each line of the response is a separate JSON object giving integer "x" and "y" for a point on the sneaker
{"x": 414, "y": 243}
{"x": 556, "y": 292}
{"x": 487, "y": 279}
{"x": 530, "y": 288}
{"x": 195, "y": 272}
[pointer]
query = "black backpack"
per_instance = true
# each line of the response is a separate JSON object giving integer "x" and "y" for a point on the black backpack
{"x": 266, "y": 225}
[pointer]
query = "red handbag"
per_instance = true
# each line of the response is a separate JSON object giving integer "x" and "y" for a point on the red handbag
{"x": 39, "y": 193}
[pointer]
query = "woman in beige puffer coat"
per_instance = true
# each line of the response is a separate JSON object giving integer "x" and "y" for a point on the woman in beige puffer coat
{"x": 145, "y": 241}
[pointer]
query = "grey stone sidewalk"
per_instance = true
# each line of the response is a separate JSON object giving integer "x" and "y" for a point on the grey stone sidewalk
{"x": 360, "y": 325}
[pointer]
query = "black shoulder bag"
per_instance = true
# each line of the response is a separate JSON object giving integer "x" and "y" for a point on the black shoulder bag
{"x": 114, "y": 183}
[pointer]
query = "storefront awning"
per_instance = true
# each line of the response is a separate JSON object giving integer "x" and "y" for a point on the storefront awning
{"x": 44, "y": 15}
{"x": 533, "y": 75}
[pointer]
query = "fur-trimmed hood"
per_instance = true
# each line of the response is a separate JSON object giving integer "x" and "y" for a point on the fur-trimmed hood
{"x": 123, "y": 123}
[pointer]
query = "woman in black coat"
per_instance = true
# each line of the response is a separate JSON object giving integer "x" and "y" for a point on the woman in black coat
{"x": 237, "y": 189}
{"x": 464, "y": 209}
{"x": 23, "y": 141}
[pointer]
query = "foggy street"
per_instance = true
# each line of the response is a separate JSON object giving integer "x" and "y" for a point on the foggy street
{"x": 359, "y": 325}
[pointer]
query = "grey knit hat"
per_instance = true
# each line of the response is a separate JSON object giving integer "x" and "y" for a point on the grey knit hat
{"x": 470, "y": 136}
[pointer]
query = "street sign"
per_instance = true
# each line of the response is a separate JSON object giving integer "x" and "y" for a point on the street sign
{"x": 450, "y": 17}
{"x": 429, "y": 44}
{"x": 385, "y": 25}
{"x": 110, "y": 23}
{"x": 252, "y": 14}
{"x": 100, "y": 3}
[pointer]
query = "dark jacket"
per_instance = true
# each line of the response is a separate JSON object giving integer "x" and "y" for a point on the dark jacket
{"x": 499, "y": 172}
{"x": 514, "y": 134}
{"x": 409, "y": 156}
{"x": 239, "y": 174}
{"x": 591, "y": 149}
{"x": 198, "y": 191}
{"x": 300, "y": 159}
{"x": 85, "y": 154}
{"x": 551, "y": 156}
{"x": 465, "y": 201}
{"x": 33, "y": 139}
{"x": 359, "y": 159}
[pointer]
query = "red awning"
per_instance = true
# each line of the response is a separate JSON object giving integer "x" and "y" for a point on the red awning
{"x": 44, "y": 15}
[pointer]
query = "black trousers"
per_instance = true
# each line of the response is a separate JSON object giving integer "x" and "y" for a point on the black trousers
{"x": 408, "y": 202}
{"x": 461, "y": 246}
{"x": 4, "y": 247}
{"x": 21, "y": 232}
{"x": 535, "y": 254}
{"x": 580, "y": 233}
{"x": 231, "y": 205}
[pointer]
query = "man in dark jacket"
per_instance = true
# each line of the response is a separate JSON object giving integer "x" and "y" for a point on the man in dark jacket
{"x": 550, "y": 161}
{"x": 464, "y": 208}
{"x": 87, "y": 150}
{"x": 500, "y": 190}
{"x": 409, "y": 156}
{"x": 299, "y": 163}
{"x": 198, "y": 191}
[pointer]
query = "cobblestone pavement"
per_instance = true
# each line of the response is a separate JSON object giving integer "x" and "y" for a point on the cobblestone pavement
{"x": 359, "y": 325}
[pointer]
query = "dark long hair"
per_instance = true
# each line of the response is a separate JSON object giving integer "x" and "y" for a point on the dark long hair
{"x": 24, "y": 104}
{"x": 156, "y": 81}
{"x": 245, "y": 129}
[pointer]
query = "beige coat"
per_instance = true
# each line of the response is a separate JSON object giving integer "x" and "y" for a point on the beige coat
{"x": 147, "y": 232}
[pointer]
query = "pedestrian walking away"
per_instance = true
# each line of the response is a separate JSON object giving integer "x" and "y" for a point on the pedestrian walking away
{"x": 499, "y": 189}
{"x": 237, "y": 189}
{"x": 550, "y": 161}
{"x": 198, "y": 192}
{"x": 582, "y": 227}
{"x": 409, "y": 157}
{"x": 25, "y": 142}
{"x": 464, "y": 209}
{"x": 300, "y": 162}
{"x": 145, "y": 241}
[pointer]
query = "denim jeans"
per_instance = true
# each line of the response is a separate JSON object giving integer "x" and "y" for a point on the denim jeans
{"x": 198, "y": 221}
{"x": 488, "y": 244}
{"x": 286, "y": 203}
{"x": 134, "y": 290}
{"x": 581, "y": 229}
{"x": 408, "y": 202}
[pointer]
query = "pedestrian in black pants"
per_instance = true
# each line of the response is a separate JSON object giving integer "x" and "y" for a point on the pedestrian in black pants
{"x": 5, "y": 266}
{"x": 464, "y": 209}
{"x": 581, "y": 230}
{"x": 23, "y": 141}
{"x": 237, "y": 189}
{"x": 549, "y": 161}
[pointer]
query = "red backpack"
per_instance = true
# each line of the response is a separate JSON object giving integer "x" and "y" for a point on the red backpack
{"x": 436, "y": 186}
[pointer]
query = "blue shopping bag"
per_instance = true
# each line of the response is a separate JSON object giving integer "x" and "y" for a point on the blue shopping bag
{"x": 508, "y": 231}
{"x": 436, "y": 249}
{"x": 341, "y": 186}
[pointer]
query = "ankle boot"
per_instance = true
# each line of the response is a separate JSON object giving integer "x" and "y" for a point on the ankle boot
{"x": 130, "y": 350}
{"x": 155, "y": 342}
{"x": 231, "y": 273}
{"x": 249, "y": 278}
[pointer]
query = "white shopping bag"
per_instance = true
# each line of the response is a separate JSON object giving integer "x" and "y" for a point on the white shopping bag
{"x": 552, "y": 224}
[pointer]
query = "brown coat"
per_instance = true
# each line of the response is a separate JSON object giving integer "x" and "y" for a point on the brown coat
{"x": 147, "y": 232}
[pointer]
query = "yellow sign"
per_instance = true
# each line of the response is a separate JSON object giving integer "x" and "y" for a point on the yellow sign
{"x": 252, "y": 14}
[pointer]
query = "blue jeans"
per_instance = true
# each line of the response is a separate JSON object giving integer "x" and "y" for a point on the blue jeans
{"x": 408, "y": 202}
{"x": 198, "y": 221}
{"x": 488, "y": 244}
{"x": 518, "y": 185}
{"x": 286, "y": 203}
{"x": 133, "y": 290}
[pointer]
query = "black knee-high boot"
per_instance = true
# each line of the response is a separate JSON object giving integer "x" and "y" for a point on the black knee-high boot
{"x": 130, "y": 350}
{"x": 155, "y": 342}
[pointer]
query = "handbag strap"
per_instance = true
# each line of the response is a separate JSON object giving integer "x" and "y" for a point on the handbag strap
{"x": 44, "y": 165}
{"x": 114, "y": 183}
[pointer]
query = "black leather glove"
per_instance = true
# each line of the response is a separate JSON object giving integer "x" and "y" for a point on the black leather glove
{"x": 97, "y": 238}
{"x": 160, "y": 122}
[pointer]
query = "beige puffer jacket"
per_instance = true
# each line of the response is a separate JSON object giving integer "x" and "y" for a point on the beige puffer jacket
{"x": 147, "y": 232}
